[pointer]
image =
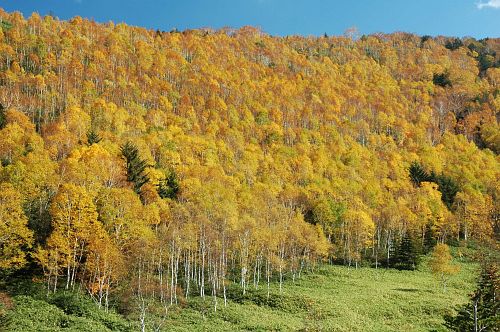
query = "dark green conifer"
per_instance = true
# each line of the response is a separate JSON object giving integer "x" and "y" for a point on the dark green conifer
{"x": 482, "y": 313}
{"x": 3, "y": 118}
{"x": 169, "y": 187}
{"x": 93, "y": 137}
{"x": 407, "y": 255}
{"x": 447, "y": 187}
{"x": 135, "y": 166}
{"x": 442, "y": 79}
{"x": 418, "y": 174}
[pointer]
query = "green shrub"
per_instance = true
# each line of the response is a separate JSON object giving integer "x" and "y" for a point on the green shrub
{"x": 62, "y": 311}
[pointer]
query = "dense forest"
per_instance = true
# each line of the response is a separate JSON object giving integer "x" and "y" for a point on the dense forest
{"x": 147, "y": 166}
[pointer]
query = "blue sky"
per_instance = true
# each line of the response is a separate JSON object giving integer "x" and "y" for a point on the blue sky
{"x": 477, "y": 18}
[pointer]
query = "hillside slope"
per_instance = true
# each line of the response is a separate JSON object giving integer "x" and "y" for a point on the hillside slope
{"x": 144, "y": 166}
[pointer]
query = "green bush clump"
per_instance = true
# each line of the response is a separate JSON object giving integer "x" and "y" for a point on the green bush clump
{"x": 30, "y": 314}
{"x": 282, "y": 302}
{"x": 61, "y": 311}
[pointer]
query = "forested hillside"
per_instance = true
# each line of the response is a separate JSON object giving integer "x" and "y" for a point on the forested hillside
{"x": 142, "y": 165}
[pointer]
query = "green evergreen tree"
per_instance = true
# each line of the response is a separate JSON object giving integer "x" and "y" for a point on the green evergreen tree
{"x": 135, "y": 166}
{"x": 3, "y": 118}
{"x": 442, "y": 79}
{"x": 93, "y": 137}
{"x": 447, "y": 187}
{"x": 407, "y": 255}
{"x": 169, "y": 187}
{"x": 418, "y": 174}
{"x": 454, "y": 44}
{"x": 482, "y": 313}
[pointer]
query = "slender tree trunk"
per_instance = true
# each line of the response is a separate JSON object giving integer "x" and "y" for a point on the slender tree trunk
{"x": 476, "y": 327}
{"x": 268, "y": 276}
{"x": 202, "y": 281}
{"x": 188, "y": 272}
{"x": 172, "y": 290}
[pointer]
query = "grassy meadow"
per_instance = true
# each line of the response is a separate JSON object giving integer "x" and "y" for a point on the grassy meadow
{"x": 337, "y": 298}
{"x": 333, "y": 298}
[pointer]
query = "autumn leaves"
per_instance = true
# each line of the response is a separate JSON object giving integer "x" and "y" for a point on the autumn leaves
{"x": 15, "y": 236}
{"x": 164, "y": 165}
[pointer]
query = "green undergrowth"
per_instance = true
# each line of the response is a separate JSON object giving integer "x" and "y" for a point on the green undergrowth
{"x": 333, "y": 298}
{"x": 31, "y": 309}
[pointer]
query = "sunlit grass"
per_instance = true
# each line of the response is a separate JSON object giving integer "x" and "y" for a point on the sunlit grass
{"x": 333, "y": 298}
{"x": 337, "y": 298}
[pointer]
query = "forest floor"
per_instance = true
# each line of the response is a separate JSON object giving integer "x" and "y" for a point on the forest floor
{"x": 333, "y": 298}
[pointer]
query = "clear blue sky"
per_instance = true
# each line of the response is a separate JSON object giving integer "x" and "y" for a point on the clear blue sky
{"x": 285, "y": 17}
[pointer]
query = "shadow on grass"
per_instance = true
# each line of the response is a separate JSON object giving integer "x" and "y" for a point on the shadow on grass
{"x": 413, "y": 290}
{"x": 409, "y": 290}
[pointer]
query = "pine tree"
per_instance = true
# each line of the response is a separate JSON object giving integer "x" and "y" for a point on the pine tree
{"x": 3, "y": 119}
{"x": 168, "y": 187}
{"x": 447, "y": 187}
{"x": 454, "y": 44}
{"x": 482, "y": 313}
{"x": 407, "y": 256}
{"x": 93, "y": 137}
{"x": 442, "y": 79}
{"x": 418, "y": 174}
{"x": 135, "y": 166}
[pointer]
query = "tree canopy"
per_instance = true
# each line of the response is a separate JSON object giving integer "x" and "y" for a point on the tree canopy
{"x": 172, "y": 162}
